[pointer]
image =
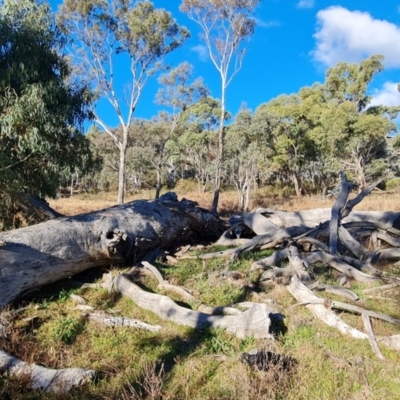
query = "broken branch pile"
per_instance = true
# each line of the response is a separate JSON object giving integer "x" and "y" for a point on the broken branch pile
{"x": 352, "y": 243}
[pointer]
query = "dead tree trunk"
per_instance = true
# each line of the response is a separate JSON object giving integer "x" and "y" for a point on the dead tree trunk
{"x": 44, "y": 253}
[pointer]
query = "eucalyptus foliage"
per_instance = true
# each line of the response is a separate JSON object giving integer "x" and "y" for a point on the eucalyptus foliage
{"x": 41, "y": 111}
{"x": 328, "y": 127}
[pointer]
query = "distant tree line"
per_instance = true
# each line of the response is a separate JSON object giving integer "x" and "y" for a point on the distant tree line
{"x": 298, "y": 141}
{"x": 55, "y": 69}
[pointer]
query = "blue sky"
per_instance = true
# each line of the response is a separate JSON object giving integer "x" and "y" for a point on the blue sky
{"x": 295, "y": 41}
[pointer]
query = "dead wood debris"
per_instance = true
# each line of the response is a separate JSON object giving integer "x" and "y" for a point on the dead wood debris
{"x": 351, "y": 243}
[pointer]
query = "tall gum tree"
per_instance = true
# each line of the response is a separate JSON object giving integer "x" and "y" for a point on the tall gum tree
{"x": 227, "y": 25}
{"x": 107, "y": 34}
{"x": 328, "y": 127}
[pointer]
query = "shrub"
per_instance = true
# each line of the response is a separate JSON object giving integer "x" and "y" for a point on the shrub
{"x": 393, "y": 184}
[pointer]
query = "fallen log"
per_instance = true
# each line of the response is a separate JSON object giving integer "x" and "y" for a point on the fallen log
{"x": 45, "y": 379}
{"x": 254, "y": 322}
{"x": 319, "y": 308}
{"x": 38, "y": 255}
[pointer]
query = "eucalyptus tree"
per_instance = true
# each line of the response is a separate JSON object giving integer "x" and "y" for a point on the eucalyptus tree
{"x": 179, "y": 92}
{"x": 116, "y": 38}
{"x": 136, "y": 168}
{"x": 288, "y": 127}
{"x": 328, "y": 127}
{"x": 197, "y": 144}
{"x": 105, "y": 150}
{"x": 41, "y": 110}
{"x": 227, "y": 26}
{"x": 242, "y": 156}
{"x": 349, "y": 128}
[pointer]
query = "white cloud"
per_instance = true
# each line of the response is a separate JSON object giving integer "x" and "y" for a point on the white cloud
{"x": 388, "y": 95}
{"x": 351, "y": 36}
{"x": 201, "y": 51}
{"x": 305, "y": 4}
{"x": 267, "y": 24}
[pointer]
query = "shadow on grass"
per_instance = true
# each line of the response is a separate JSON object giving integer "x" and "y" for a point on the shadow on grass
{"x": 202, "y": 340}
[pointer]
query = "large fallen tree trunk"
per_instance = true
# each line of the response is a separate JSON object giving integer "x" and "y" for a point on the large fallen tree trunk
{"x": 44, "y": 253}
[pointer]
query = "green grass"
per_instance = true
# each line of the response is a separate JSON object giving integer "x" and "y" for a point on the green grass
{"x": 183, "y": 363}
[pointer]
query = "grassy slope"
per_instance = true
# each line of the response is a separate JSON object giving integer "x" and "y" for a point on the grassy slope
{"x": 180, "y": 363}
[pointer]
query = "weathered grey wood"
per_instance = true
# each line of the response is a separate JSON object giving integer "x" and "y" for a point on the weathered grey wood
{"x": 253, "y": 322}
{"x": 32, "y": 205}
{"x": 260, "y": 223}
{"x": 364, "y": 266}
{"x": 268, "y": 262}
{"x": 350, "y": 204}
{"x": 258, "y": 242}
{"x": 383, "y": 287}
{"x": 374, "y": 240}
{"x": 218, "y": 310}
{"x": 385, "y": 220}
{"x": 390, "y": 240}
{"x": 388, "y": 254}
{"x": 340, "y": 210}
{"x": 297, "y": 266}
{"x": 45, "y": 379}
{"x": 352, "y": 244}
{"x": 110, "y": 320}
{"x": 44, "y": 253}
{"x": 305, "y": 296}
{"x": 282, "y": 219}
{"x": 313, "y": 242}
{"x": 165, "y": 285}
{"x": 267, "y": 241}
{"x": 393, "y": 342}
{"x": 336, "y": 215}
{"x": 339, "y": 291}
{"x": 228, "y": 238}
{"x": 231, "y": 237}
{"x": 359, "y": 310}
{"x": 371, "y": 337}
{"x": 339, "y": 265}
{"x": 317, "y": 306}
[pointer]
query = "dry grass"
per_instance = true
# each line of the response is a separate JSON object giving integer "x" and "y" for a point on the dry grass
{"x": 228, "y": 202}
